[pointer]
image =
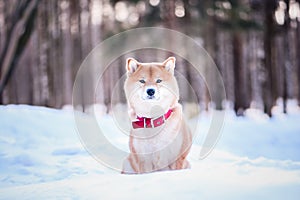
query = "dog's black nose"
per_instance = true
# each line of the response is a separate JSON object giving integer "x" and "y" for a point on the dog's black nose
{"x": 150, "y": 92}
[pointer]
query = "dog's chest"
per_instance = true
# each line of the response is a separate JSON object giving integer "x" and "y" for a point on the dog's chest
{"x": 164, "y": 143}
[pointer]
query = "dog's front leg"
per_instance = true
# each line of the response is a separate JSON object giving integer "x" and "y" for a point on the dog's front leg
{"x": 132, "y": 114}
{"x": 127, "y": 166}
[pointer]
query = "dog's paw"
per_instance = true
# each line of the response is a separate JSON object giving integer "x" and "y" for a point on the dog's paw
{"x": 127, "y": 168}
{"x": 186, "y": 165}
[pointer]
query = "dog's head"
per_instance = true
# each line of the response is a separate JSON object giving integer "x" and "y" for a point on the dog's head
{"x": 151, "y": 84}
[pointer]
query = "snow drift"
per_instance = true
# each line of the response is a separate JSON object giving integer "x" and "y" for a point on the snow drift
{"x": 41, "y": 157}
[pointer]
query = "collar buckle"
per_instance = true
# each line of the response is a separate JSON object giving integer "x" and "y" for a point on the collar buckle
{"x": 155, "y": 122}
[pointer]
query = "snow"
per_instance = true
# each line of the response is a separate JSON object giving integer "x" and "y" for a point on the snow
{"x": 41, "y": 157}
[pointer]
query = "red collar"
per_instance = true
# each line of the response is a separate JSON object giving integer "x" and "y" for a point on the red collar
{"x": 144, "y": 122}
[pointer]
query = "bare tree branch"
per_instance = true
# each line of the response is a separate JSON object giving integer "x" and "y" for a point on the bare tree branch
{"x": 19, "y": 34}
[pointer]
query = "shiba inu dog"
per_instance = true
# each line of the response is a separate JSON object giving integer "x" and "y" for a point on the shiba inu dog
{"x": 159, "y": 138}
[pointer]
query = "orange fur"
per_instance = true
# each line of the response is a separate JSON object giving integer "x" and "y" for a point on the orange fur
{"x": 165, "y": 147}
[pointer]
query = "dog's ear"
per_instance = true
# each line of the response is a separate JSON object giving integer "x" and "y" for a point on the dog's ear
{"x": 169, "y": 64}
{"x": 131, "y": 65}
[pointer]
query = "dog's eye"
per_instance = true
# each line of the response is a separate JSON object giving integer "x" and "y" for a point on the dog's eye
{"x": 158, "y": 81}
{"x": 142, "y": 81}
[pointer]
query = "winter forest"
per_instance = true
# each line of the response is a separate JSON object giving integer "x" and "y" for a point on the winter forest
{"x": 255, "y": 45}
{"x": 64, "y": 137}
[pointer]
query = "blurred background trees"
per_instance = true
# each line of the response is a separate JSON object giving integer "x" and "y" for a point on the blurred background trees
{"x": 255, "y": 44}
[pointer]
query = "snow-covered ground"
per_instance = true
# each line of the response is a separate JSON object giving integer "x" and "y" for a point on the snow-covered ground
{"x": 41, "y": 157}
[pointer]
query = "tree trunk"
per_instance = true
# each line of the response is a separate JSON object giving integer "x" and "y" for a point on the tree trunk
{"x": 292, "y": 75}
{"x": 43, "y": 53}
{"x": 85, "y": 27}
{"x": 57, "y": 64}
{"x": 228, "y": 73}
{"x": 287, "y": 56}
{"x": 298, "y": 57}
{"x": 241, "y": 101}
{"x": 210, "y": 46}
{"x": 268, "y": 40}
{"x": 255, "y": 65}
{"x": 67, "y": 53}
{"x": 96, "y": 21}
